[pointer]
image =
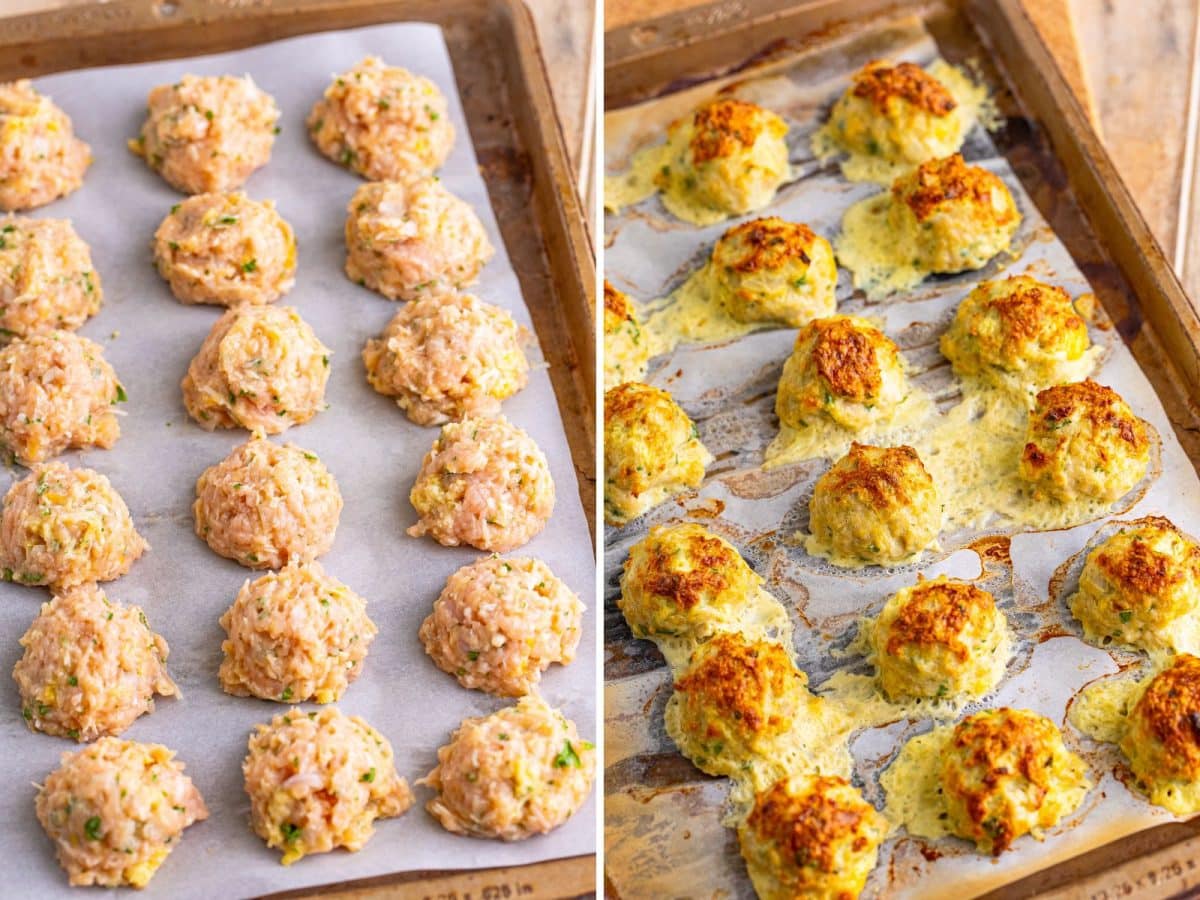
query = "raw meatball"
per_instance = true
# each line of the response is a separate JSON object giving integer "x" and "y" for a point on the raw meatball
{"x": 57, "y": 392}
{"x": 207, "y": 133}
{"x": 46, "y": 277}
{"x": 448, "y": 357}
{"x": 40, "y": 157}
{"x": 383, "y": 122}
{"x": 319, "y": 780}
{"x": 484, "y": 483}
{"x": 62, "y": 527}
{"x": 1084, "y": 442}
{"x": 727, "y": 158}
{"x": 265, "y": 505}
{"x": 413, "y": 238}
{"x": 260, "y": 368}
{"x": 626, "y": 352}
{"x": 1007, "y": 773}
{"x": 769, "y": 270}
{"x": 226, "y": 249}
{"x": 516, "y": 773}
{"x": 1161, "y": 739}
{"x": 298, "y": 634}
{"x": 1018, "y": 328}
{"x": 811, "y": 836}
{"x": 652, "y": 451}
{"x": 90, "y": 667}
{"x": 114, "y": 811}
{"x": 875, "y": 506}
{"x": 940, "y": 638}
{"x": 1137, "y": 585}
{"x": 842, "y": 368}
{"x": 499, "y": 623}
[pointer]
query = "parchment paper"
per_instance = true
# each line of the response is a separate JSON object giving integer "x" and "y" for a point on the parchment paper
{"x": 662, "y": 817}
{"x": 364, "y": 439}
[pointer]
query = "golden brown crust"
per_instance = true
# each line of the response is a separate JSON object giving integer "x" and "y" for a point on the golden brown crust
{"x": 935, "y": 613}
{"x": 1027, "y": 309}
{"x": 938, "y": 180}
{"x": 875, "y": 475}
{"x": 632, "y": 397}
{"x": 768, "y": 243}
{"x": 713, "y": 564}
{"x": 1101, "y": 406}
{"x": 880, "y": 82}
{"x": 1170, "y": 708}
{"x": 616, "y": 302}
{"x": 845, "y": 359}
{"x": 1143, "y": 568}
{"x": 737, "y": 679}
{"x": 723, "y": 127}
{"x": 808, "y": 829}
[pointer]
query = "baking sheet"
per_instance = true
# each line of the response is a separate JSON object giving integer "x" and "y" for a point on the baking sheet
{"x": 364, "y": 439}
{"x": 662, "y": 816}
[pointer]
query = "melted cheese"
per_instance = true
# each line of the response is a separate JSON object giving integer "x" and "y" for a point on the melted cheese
{"x": 761, "y": 618}
{"x": 1100, "y": 709}
{"x": 913, "y": 785}
{"x": 693, "y": 314}
{"x": 637, "y": 183}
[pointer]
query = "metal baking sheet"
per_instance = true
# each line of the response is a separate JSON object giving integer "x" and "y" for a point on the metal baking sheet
{"x": 365, "y": 440}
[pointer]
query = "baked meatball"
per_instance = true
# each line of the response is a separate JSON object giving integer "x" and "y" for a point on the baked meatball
{"x": 684, "y": 581}
{"x": 1020, "y": 331}
{"x": 57, "y": 393}
{"x": 484, "y": 483}
{"x": 109, "y": 835}
{"x": 207, "y": 133}
{"x": 725, "y": 159}
{"x": 626, "y": 350}
{"x": 844, "y": 369}
{"x": 90, "y": 667}
{"x": 1138, "y": 584}
{"x": 811, "y": 836}
{"x": 383, "y": 122}
{"x": 410, "y": 239}
{"x": 63, "y": 527}
{"x": 875, "y": 506}
{"x": 1161, "y": 740}
{"x": 294, "y": 635}
{"x": 266, "y": 505}
{"x": 47, "y": 281}
{"x": 652, "y": 451}
{"x": 40, "y": 157}
{"x": 1007, "y": 773}
{"x": 448, "y": 357}
{"x": 1083, "y": 442}
{"x": 499, "y": 623}
{"x": 519, "y": 772}
{"x": 260, "y": 368}
{"x": 940, "y": 638}
{"x": 319, "y": 780}
{"x": 769, "y": 270}
{"x": 736, "y": 697}
{"x": 226, "y": 249}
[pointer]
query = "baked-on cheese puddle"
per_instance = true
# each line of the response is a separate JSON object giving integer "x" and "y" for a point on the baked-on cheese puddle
{"x": 693, "y": 314}
{"x": 637, "y": 183}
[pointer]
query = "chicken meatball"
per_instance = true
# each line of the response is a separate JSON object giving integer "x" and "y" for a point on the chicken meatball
{"x": 1138, "y": 584}
{"x": 226, "y": 249}
{"x": 844, "y": 369}
{"x": 260, "y": 368}
{"x": 1161, "y": 740}
{"x": 57, "y": 393}
{"x": 47, "y": 281}
{"x": 383, "y": 122}
{"x": 652, "y": 451}
{"x": 626, "y": 350}
{"x": 294, "y": 635}
{"x": 410, "y": 239}
{"x": 207, "y": 133}
{"x": 499, "y": 623}
{"x": 727, "y": 158}
{"x": 519, "y": 772}
{"x": 1021, "y": 330}
{"x": 319, "y": 780}
{"x": 769, "y": 270}
{"x": 266, "y": 505}
{"x": 1084, "y": 442}
{"x": 875, "y": 506}
{"x": 63, "y": 527}
{"x": 733, "y": 700}
{"x": 940, "y": 638}
{"x": 1007, "y": 773}
{"x": 90, "y": 667}
{"x": 484, "y": 483}
{"x": 113, "y": 837}
{"x": 448, "y": 357}
{"x": 40, "y": 157}
{"x": 811, "y": 836}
